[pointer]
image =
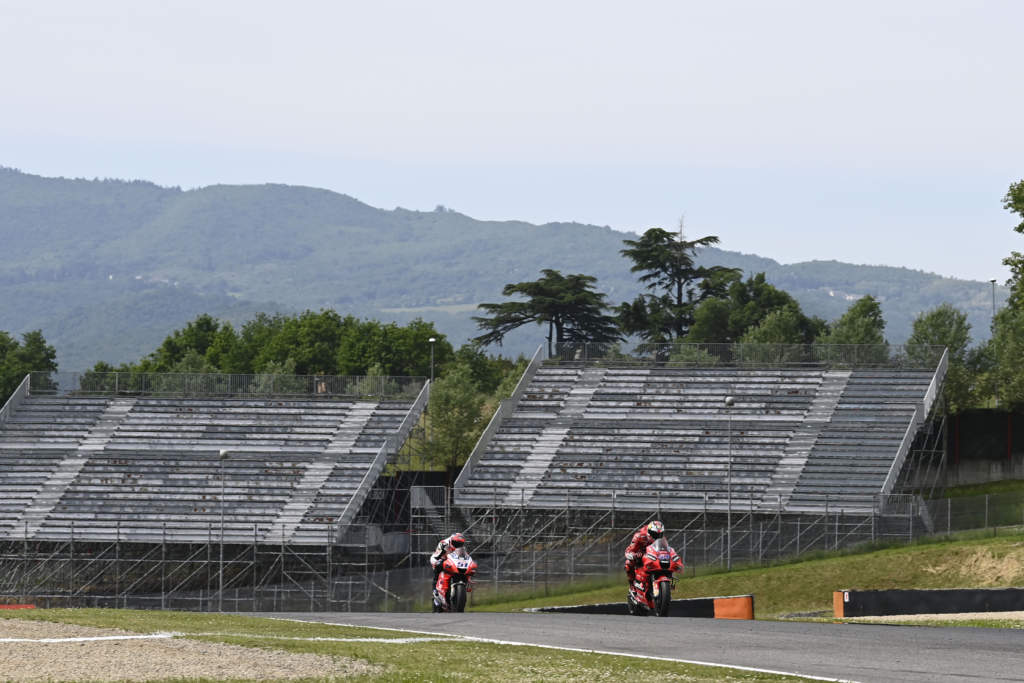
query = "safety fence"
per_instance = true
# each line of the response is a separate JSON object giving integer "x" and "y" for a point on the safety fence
{"x": 518, "y": 549}
{"x": 217, "y": 385}
{"x": 925, "y": 357}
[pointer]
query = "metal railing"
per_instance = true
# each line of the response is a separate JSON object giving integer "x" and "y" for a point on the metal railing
{"x": 925, "y": 357}
{"x": 223, "y": 385}
{"x": 391, "y": 444}
{"x": 15, "y": 400}
{"x": 505, "y": 407}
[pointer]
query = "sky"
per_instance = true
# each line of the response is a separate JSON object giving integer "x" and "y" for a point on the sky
{"x": 870, "y": 132}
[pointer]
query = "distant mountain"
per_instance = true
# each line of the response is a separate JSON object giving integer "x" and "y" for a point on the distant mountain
{"x": 108, "y": 268}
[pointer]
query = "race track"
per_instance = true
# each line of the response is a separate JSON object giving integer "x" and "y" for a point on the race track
{"x": 856, "y": 652}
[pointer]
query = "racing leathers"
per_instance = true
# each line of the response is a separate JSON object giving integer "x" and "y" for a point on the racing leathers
{"x": 635, "y": 551}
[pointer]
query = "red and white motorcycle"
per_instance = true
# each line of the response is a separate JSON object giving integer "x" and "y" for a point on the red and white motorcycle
{"x": 653, "y": 580}
{"x": 454, "y": 581}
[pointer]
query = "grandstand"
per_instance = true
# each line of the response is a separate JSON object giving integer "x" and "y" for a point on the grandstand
{"x": 810, "y": 428}
{"x": 188, "y": 463}
{"x": 267, "y": 492}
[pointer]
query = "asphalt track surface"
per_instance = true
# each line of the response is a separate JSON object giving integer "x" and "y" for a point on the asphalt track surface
{"x": 854, "y": 652}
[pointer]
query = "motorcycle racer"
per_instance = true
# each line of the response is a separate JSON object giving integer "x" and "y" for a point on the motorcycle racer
{"x": 446, "y": 545}
{"x": 645, "y": 536}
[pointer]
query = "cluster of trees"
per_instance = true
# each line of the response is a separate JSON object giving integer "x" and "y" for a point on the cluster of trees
{"x": 683, "y": 302}
{"x": 17, "y": 359}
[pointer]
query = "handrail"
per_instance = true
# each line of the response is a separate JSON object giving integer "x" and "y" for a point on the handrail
{"x": 411, "y": 417}
{"x": 921, "y": 412}
{"x": 528, "y": 373}
{"x": 15, "y": 400}
{"x": 392, "y": 443}
{"x": 932, "y": 393}
{"x": 504, "y": 407}
{"x": 901, "y": 454}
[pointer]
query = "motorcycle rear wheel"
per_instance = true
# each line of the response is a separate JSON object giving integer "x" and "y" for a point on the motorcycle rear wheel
{"x": 663, "y": 602}
{"x": 458, "y": 601}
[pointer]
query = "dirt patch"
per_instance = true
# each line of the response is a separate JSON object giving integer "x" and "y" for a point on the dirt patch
{"x": 149, "y": 659}
{"x": 985, "y": 568}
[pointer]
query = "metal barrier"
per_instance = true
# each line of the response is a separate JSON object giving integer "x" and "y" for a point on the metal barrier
{"x": 505, "y": 408}
{"x": 15, "y": 400}
{"x": 907, "y": 357}
{"x": 223, "y": 386}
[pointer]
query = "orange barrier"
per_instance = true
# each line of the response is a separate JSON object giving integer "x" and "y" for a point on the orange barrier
{"x": 724, "y": 607}
{"x": 736, "y": 607}
{"x": 17, "y": 606}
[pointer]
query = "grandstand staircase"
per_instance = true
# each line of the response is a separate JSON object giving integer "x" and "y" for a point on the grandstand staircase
{"x": 317, "y": 472}
{"x": 553, "y": 436}
{"x": 53, "y": 489}
{"x": 344, "y": 437}
{"x": 800, "y": 445}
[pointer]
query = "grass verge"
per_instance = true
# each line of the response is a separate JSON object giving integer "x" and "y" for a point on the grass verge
{"x": 450, "y": 660}
{"x": 970, "y": 561}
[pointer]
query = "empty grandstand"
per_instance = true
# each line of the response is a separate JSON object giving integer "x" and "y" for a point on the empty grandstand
{"x": 803, "y": 428}
{"x": 266, "y": 492}
{"x": 262, "y": 461}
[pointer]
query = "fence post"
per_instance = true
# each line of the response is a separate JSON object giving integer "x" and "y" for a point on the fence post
{"x": 798, "y": 536}
{"x": 986, "y": 510}
{"x": 949, "y": 515}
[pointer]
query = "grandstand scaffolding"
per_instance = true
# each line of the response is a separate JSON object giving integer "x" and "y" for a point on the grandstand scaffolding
{"x": 240, "y": 492}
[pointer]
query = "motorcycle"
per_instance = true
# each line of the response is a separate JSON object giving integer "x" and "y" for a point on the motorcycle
{"x": 653, "y": 580}
{"x": 454, "y": 581}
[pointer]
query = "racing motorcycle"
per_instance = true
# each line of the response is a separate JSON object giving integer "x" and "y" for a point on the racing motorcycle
{"x": 653, "y": 580}
{"x": 454, "y": 581}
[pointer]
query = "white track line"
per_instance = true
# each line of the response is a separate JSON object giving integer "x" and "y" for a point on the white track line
{"x": 429, "y": 639}
{"x": 157, "y": 636}
{"x": 589, "y": 651}
{"x": 87, "y": 639}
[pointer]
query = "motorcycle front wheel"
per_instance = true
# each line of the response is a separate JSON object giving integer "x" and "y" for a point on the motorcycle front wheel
{"x": 458, "y": 601}
{"x": 663, "y": 602}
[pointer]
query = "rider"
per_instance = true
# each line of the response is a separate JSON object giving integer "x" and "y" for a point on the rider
{"x": 446, "y": 545}
{"x": 646, "y": 535}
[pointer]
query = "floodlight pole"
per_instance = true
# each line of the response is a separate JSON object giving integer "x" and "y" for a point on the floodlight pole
{"x": 995, "y": 376}
{"x": 729, "y": 401}
{"x": 430, "y": 430}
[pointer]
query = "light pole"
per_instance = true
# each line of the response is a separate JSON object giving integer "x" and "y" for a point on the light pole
{"x": 430, "y": 417}
{"x": 220, "y": 573}
{"x": 434, "y": 339}
{"x": 729, "y": 401}
{"x": 995, "y": 378}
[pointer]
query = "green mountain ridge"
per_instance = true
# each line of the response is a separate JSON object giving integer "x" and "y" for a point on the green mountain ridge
{"x": 108, "y": 268}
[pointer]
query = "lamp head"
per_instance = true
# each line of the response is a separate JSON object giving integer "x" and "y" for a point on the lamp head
{"x": 729, "y": 401}
{"x": 432, "y": 340}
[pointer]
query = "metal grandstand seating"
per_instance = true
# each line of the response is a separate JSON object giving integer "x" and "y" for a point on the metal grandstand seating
{"x": 192, "y": 469}
{"x": 801, "y": 437}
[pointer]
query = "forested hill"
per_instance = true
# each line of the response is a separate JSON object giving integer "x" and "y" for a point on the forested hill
{"x": 106, "y": 269}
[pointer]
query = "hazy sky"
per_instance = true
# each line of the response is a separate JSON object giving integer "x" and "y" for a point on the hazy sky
{"x": 869, "y": 132}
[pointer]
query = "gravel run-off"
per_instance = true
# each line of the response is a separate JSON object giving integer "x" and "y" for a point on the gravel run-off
{"x": 149, "y": 659}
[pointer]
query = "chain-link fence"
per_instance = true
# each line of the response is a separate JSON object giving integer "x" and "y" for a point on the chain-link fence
{"x": 531, "y": 549}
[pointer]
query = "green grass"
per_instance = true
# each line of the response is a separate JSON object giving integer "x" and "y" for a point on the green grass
{"x": 989, "y": 488}
{"x": 807, "y": 585}
{"x": 458, "y": 660}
